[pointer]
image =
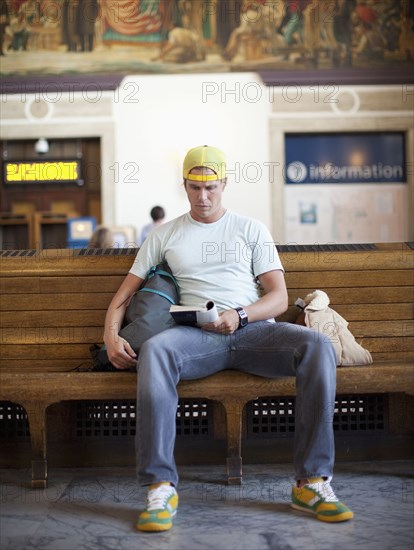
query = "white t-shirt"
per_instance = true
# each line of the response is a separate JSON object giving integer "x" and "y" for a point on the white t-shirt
{"x": 217, "y": 261}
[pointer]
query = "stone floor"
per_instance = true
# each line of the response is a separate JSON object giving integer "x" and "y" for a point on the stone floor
{"x": 97, "y": 508}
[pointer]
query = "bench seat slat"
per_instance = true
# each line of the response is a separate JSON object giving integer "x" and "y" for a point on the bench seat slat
{"x": 299, "y": 280}
{"x": 72, "y": 318}
{"x": 85, "y": 385}
{"x": 47, "y": 302}
{"x": 55, "y": 285}
{"x": 66, "y": 316}
{"x": 42, "y": 351}
{"x": 382, "y": 328}
{"x": 71, "y": 351}
{"x": 378, "y": 312}
{"x": 50, "y": 335}
{"x": 388, "y": 256}
{"x": 363, "y": 312}
{"x": 359, "y": 295}
{"x": 42, "y": 365}
{"x": 338, "y": 278}
{"x": 109, "y": 283}
{"x": 73, "y": 335}
{"x": 16, "y": 285}
{"x": 100, "y": 301}
{"x": 49, "y": 365}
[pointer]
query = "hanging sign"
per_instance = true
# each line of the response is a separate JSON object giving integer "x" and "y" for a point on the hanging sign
{"x": 345, "y": 158}
{"x": 48, "y": 171}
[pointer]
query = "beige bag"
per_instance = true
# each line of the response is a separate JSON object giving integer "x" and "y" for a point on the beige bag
{"x": 317, "y": 315}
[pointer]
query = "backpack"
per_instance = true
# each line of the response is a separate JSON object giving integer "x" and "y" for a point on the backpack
{"x": 147, "y": 314}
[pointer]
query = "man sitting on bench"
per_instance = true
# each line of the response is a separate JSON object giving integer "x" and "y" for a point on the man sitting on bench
{"x": 216, "y": 254}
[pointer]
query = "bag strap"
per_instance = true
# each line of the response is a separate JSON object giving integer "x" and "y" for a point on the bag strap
{"x": 155, "y": 270}
{"x": 159, "y": 294}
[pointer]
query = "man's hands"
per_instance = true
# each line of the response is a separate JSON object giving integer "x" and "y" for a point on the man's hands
{"x": 121, "y": 355}
{"x": 274, "y": 302}
{"x": 227, "y": 323}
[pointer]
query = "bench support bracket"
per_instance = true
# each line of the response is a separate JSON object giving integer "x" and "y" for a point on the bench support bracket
{"x": 234, "y": 413}
{"x": 36, "y": 412}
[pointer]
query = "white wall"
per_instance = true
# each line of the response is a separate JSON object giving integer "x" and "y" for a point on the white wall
{"x": 158, "y": 118}
{"x": 151, "y": 121}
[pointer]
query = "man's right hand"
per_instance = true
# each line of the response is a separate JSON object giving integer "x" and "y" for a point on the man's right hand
{"x": 121, "y": 355}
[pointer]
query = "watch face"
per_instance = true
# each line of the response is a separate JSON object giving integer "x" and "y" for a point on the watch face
{"x": 243, "y": 317}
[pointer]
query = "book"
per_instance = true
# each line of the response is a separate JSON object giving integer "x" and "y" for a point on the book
{"x": 195, "y": 316}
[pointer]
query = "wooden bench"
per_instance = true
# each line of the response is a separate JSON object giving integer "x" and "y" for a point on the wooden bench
{"x": 54, "y": 302}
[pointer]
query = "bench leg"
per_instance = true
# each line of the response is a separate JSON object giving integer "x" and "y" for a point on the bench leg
{"x": 36, "y": 412}
{"x": 234, "y": 411}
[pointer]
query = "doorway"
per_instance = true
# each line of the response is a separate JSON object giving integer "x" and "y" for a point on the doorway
{"x": 34, "y": 213}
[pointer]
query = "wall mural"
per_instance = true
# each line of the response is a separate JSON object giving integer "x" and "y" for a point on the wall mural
{"x": 52, "y": 37}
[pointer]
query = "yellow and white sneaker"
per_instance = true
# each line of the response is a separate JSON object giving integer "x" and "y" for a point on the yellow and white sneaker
{"x": 162, "y": 503}
{"x": 317, "y": 497}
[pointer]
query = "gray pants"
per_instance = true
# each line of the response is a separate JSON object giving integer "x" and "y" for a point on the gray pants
{"x": 265, "y": 349}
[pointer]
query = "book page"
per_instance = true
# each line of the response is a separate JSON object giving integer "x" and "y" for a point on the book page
{"x": 193, "y": 315}
{"x": 209, "y": 315}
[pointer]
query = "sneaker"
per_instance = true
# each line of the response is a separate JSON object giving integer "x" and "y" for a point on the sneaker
{"x": 317, "y": 497}
{"x": 162, "y": 502}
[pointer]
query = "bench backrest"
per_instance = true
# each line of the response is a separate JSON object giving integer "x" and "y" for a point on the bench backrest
{"x": 53, "y": 302}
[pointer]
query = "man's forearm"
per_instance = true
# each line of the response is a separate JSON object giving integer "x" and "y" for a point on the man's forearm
{"x": 113, "y": 323}
{"x": 270, "y": 305}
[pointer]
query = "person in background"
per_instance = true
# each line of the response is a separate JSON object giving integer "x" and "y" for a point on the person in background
{"x": 216, "y": 254}
{"x": 101, "y": 238}
{"x": 157, "y": 214}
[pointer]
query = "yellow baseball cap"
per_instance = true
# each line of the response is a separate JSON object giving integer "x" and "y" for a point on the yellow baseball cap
{"x": 208, "y": 157}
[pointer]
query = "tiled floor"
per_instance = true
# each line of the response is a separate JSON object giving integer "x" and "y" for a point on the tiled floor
{"x": 96, "y": 509}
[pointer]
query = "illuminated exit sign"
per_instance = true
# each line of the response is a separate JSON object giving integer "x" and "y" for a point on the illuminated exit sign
{"x": 48, "y": 171}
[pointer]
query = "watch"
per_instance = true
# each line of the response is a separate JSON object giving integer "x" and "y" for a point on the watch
{"x": 243, "y": 319}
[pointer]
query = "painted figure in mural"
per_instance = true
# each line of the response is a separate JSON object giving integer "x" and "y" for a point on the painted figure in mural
{"x": 128, "y": 18}
{"x": 192, "y": 15}
{"x": 227, "y": 19}
{"x": 182, "y": 46}
{"x": 87, "y": 13}
{"x": 406, "y": 37}
{"x": 369, "y": 41}
{"x": 78, "y": 26}
{"x": 319, "y": 31}
{"x": 252, "y": 36}
{"x": 69, "y": 26}
{"x": 293, "y": 29}
{"x": 21, "y": 25}
{"x": 343, "y": 31}
{"x": 182, "y": 33}
{"x": 4, "y": 21}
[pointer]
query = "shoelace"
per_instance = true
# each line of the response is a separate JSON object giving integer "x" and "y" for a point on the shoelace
{"x": 157, "y": 498}
{"x": 325, "y": 490}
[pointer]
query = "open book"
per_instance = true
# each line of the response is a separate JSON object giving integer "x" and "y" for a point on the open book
{"x": 193, "y": 316}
